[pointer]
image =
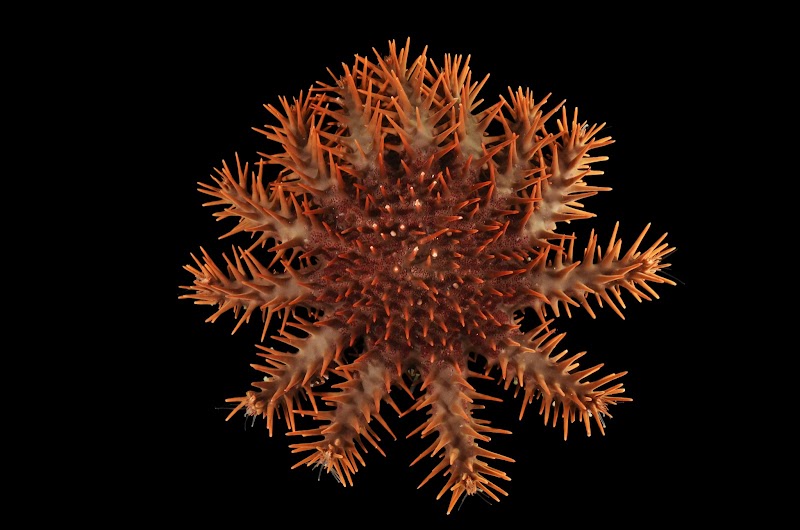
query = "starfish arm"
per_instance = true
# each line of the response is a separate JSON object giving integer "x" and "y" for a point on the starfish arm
{"x": 244, "y": 287}
{"x": 602, "y": 276}
{"x": 305, "y": 167}
{"x": 539, "y": 373}
{"x": 451, "y": 401}
{"x": 275, "y": 214}
{"x": 563, "y": 183}
{"x": 291, "y": 376}
{"x": 346, "y": 425}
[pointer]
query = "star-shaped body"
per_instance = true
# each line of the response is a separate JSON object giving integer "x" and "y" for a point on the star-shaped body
{"x": 402, "y": 239}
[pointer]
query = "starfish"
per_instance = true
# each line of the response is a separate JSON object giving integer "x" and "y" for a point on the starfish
{"x": 399, "y": 245}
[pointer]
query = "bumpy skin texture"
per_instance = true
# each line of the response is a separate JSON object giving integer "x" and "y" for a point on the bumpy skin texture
{"x": 399, "y": 244}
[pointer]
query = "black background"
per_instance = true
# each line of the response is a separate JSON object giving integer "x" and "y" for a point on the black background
{"x": 653, "y": 462}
